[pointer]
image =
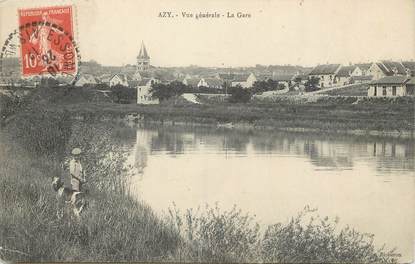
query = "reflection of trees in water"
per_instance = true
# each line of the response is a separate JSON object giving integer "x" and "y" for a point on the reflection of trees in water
{"x": 337, "y": 152}
{"x": 323, "y": 150}
{"x": 167, "y": 141}
{"x": 235, "y": 142}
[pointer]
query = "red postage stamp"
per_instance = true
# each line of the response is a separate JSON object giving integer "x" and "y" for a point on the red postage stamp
{"x": 46, "y": 40}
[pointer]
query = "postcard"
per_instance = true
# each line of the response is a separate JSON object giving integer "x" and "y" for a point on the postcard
{"x": 276, "y": 131}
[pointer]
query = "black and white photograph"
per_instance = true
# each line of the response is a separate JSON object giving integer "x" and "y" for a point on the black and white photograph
{"x": 222, "y": 131}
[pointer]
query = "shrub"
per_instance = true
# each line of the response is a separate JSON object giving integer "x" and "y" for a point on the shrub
{"x": 239, "y": 95}
{"x": 308, "y": 238}
{"x": 8, "y": 106}
{"x": 42, "y": 132}
{"x": 217, "y": 236}
{"x": 122, "y": 94}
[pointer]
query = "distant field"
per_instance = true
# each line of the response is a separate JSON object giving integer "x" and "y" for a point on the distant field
{"x": 353, "y": 90}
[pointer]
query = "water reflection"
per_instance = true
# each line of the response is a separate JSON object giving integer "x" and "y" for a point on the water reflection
{"x": 331, "y": 153}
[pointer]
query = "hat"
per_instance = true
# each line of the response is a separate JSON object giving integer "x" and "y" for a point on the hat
{"x": 76, "y": 151}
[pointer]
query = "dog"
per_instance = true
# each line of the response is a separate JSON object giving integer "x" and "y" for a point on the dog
{"x": 68, "y": 197}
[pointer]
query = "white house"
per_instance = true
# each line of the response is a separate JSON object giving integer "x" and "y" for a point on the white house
{"x": 119, "y": 79}
{"x": 390, "y": 86}
{"x": 386, "y": 68}
{"x": 212, "y": 83}
{"x": 361, "y": 69}
{"x": 343, "y": 76}
{"x": 144, "y": 93}
{"x": 244, "y": 80}
{"x": 326, "y": 74}
{"x": 86, "y": 79}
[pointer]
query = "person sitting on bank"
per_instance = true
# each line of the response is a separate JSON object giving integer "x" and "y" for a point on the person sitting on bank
{"x": 76, "y": 171}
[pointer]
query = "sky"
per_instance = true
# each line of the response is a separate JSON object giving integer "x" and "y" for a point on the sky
{"x": 296, "y": 32}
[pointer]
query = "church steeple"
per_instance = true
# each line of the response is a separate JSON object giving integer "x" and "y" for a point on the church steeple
{"x": 143, "y": 60}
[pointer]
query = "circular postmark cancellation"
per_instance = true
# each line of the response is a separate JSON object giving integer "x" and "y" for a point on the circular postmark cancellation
{"x": 43, "y": 45}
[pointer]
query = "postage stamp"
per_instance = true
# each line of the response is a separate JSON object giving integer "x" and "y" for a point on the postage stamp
{"x": 46, "y": 41}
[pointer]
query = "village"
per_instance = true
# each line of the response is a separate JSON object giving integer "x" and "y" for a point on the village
{"x": 384, "y": 78}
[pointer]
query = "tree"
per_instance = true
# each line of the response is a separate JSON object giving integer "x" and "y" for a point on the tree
{"x": 102, "y": 86}
{"x": 268, "y": 85}
{"x": 165, "y": 91}
{"x": 123, "y": 94}
{"x": 312, "y": 84}
{"x": 239, "y": 94}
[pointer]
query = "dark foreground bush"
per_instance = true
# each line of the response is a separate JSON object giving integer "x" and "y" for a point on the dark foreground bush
{"x": 309, "y": 239}
{"x": 231, "y": 236}
{"x": 239, "y": 95}
{"x": 41, "y": 132}
{"x": 212, "y": 235}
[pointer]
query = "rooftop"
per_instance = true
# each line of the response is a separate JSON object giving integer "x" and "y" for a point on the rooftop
{"x": 325, "y": 69}
{"x": 391, "y": 80}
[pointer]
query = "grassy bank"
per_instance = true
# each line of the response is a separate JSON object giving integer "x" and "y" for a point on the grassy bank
{"x": 115, "y": 227}
{"x": 322, "y": 113}
{"x": 321, "y": 117}
{"x": 37, "y": 141}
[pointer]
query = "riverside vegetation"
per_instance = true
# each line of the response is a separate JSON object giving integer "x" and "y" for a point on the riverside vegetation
{"x": 325, "y": 114}
{"x": 35, "y": 141}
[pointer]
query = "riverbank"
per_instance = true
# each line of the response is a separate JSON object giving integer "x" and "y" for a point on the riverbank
{"x": 388, "y": 117}
{"x": 387, "y": 120}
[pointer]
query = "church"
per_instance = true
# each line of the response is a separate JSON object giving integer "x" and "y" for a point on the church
{"x": 145, "y": 81}
{"x": 143, "y": 60}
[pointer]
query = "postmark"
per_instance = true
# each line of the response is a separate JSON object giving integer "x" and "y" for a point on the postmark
{"x": 47, "y": 47}
{"x": 44, "y": 44}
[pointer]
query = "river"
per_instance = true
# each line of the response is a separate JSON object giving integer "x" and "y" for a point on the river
{"x": 367, "y": 182}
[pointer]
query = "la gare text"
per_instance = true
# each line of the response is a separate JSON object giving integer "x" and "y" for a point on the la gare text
{"x": 200, "y": 15}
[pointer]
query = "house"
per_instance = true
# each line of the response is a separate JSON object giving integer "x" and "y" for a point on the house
{"x": 86, "y": 79}
{"x": 386, "y": 68}
{"x": 192, "y": 82}
{"x": 105, "y": 78}
{"x": 361, "y": 69}
{"x": 226, "y": 78}
{"x": 326, "y": 74}
{"x": 390, "y": 86}
{"x": 410, "y": 67}
{"x": 285, "y": 80}
{"x": 119, "y": 79}
{"x": 144, "y": 91}
{"x": 344, "y": 75}
{"x": 137, "y": 76}
{"x": 212, "y": 83}
{"x": 244, "y": 80}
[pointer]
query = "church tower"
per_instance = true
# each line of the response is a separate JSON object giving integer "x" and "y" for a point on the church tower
{"x": 143, "y": 60}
